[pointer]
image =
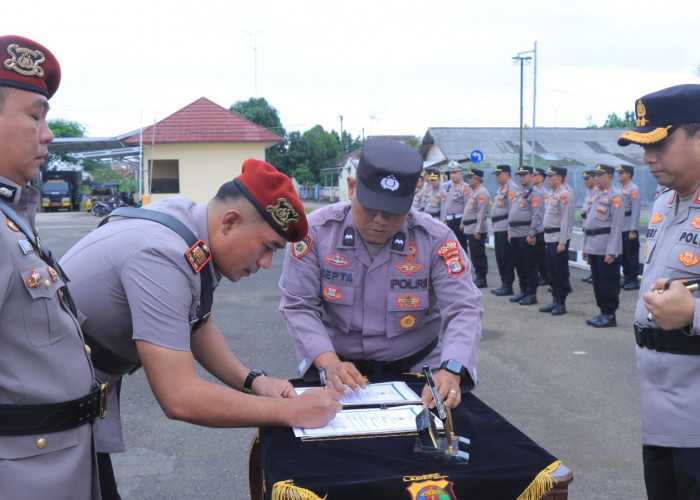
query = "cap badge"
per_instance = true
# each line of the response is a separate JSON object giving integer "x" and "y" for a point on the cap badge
{"x": 389, "y": 182}
{"x": 25, "y": 61}
{"x": 283, "y": 213}
{"x": 641, "y": 112}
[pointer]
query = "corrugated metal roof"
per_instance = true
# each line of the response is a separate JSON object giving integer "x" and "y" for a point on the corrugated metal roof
{"x": 204, "y": 121}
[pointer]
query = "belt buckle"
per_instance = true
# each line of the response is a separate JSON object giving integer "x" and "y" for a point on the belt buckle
{"x": 103, "y": 400}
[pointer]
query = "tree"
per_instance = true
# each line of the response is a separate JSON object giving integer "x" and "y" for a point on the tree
{"x": 259, "y": 111}
{"x": 311, "y": 151}
{"x": 66, "y": 128}
{"x": 615, "y": 121}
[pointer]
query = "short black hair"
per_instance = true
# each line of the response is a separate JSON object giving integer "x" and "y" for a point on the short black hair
{"x": 690, "y": 129}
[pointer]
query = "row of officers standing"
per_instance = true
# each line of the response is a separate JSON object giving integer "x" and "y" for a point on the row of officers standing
{"x": 532, "y": 228}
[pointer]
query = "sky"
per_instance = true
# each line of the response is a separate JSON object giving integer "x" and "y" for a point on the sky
{"x": 387, "y": 67}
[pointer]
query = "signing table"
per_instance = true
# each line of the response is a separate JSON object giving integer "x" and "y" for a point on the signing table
{"x": 503, "y": 463}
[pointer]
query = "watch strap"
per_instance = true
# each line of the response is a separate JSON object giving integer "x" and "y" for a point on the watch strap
{"x": 252, "y": 375}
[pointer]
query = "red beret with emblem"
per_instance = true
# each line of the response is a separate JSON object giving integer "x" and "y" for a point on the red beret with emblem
{"x": 27, "y": 65}
{"x": 273, "y": 194}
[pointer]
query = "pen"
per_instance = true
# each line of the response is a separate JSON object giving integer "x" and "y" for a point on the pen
{"x": 322, "y": 376}
{"x": 691, "y": 285}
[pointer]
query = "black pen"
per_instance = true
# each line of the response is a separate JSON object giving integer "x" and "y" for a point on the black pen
{"x": 322, "y": 376}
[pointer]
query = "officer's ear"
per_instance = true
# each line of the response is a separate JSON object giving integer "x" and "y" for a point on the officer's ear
{"x": 351, "y": 187}
{"x": 229, "y": 219}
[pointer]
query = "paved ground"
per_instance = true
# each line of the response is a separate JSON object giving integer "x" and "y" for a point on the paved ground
{"x": 570, "y": 387}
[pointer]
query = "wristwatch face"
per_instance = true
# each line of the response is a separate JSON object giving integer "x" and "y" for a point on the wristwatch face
{"x": 453, "y": 366}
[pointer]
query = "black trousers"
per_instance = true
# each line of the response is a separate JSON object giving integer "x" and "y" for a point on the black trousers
{"x": 630, "y": 257}
{"x": 671, "y": 473}
{"x": 542, "y": 267}
{"x": 477, "y": 254}
{"x": 504, "y": 258}
{"x": 558, "y": 267}
{"x": 525, "y": 262}
{"x": 606, "y": 283}
{"x": 108, "y": 485}
{"x": 461, "y": 237}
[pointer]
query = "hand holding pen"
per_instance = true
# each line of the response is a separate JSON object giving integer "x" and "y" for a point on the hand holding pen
{"x": 670, "y": 302}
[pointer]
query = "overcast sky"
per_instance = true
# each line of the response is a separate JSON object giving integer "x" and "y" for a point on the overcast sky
{"x": 386, "y": 66}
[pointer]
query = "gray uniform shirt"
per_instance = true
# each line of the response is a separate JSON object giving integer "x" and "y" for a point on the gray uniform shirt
{"x": 670, "y": 383}
{"x": 557, "y": 215}
{"x": 42, "y": 360}
{"x": 133, "y": 282}
{"x": 586, "y": 206}
{"x": 526, "y": 211}
{"x": 501, "y": 206}
{"x": 477, "y": 211}
{"x": 456, "y": 199}
{"x": 432, "y": 201}
{"x": 605, "y": 212}
{"x": 632, "y": 200}
{"x": 335, "y": 298}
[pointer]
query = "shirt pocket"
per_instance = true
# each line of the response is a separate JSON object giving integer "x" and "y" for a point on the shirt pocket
{"x": 684, "y": 261}
{"x": 19, "y": 447}
{"x": 338, "y": 303}
{"x": 406, "y": 311}
{"x": 45, "y": 319}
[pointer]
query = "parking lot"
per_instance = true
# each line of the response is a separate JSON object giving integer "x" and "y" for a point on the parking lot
{"x": 570, "y": 387}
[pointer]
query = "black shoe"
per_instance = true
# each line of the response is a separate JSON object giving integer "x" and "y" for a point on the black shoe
{"x": 502, "y": 291}
{"x": 542, "y": 282}
{"x": 528, "y": 300}
{"x": 518, "y": 297}
{"x": 548, "y": 308}
{"x": 480, "y": 283}
{"x": 587, "y": 279}
{"x": 592, "y": 320}
{"x": 605, "y": 321}
{"x": 623, "y": 283}
{"x": 558, "y": 310}
{"x": 631, "y": 285}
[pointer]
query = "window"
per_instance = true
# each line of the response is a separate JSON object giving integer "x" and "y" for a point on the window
{"x": 165, "y": 176}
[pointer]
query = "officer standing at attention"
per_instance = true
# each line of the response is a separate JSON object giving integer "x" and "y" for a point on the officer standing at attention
{"x": 48, "y": 394}
{"x": 542, "y": 269}
{"x": 158, "y": 268}
{"x": 474, "y": 223}
{"x": 499, "y": 221}
{"x": 418, "y": 196}
{"x": 379, "y": 288}
{"x": 455, "y": 201}
{"x": 632, "y": 200}
{"x": 524, "y": 222}
{"x": 589, "y": 181}
{"x": 434, "y": 194}
{"x": 602, "y": 245}
{"x": 667, "y": 318}
{"x": 557, "y": 234}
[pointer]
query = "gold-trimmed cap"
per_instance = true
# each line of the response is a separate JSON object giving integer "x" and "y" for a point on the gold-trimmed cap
{"x": 659, "y": 113}
{"x": 601, "y": 169}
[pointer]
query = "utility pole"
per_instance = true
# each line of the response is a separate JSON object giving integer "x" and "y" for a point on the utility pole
{"x": 521, "y": 59}
{"x": 342, "y": 146}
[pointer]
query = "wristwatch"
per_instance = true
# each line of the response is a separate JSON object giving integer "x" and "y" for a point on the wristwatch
{"x": 248, "y": 384}
{"x": 455, "y": 367}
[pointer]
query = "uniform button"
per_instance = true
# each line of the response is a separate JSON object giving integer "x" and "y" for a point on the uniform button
{"x": 47, "y": 284}
{"x": 41, "y": 443}
{"x": 88, "y": 350}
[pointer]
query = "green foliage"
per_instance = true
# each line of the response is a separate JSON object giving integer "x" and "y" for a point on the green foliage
{"x": 66, "y": 128}
{"x": 104, "y": 174}
{"x": 259, "y": 111}
{"x": 614, "y": 121}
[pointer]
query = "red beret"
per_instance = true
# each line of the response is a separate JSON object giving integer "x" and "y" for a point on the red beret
{"x": 273, "y": 194}
{"x": 28, "y": 65}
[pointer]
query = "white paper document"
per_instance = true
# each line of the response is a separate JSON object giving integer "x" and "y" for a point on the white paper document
{"x": 368, "y": 421}
{"x": 378, "y": 394}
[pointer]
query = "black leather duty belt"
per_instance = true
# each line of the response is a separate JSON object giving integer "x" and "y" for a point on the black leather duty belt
{"x": 628, "y": 213}
{"x": 671, "y": 341}
{"x": 399, "y": 366}
{"x": 520, "y": 223}
{"x": 550, "y": 230}
{"x": 596, "y": 232}
{"x": 468, "y": 222}
{"x": 21, "y": 420}
{"x": 499, "y": 218}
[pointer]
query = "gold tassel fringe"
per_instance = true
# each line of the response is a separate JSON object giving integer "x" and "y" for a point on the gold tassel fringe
{"x": 285, "y": 490}
{"x": 542, "y": 483}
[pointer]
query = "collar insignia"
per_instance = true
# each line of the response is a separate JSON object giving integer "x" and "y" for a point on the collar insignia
{"x": 399, "y": 241}
{"x": 283, "y": 213}
{"x": 349, "y": 237}
{"x": 7, "y": 192}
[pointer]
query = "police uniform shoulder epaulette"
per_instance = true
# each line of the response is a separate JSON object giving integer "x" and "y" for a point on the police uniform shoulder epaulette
{"x": 329, "y": 213}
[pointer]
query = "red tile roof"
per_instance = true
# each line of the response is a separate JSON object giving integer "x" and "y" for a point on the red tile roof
{"x": 204, "y": 121}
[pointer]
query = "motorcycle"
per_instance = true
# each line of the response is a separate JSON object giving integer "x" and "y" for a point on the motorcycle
{"x": 104, "y": 208}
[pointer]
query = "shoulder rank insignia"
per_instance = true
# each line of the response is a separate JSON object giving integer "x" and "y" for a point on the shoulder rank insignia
{"x": 52, "y": 273}
{"x": 337, "y": 260}
{"x": 198, "y": 255}
{"x": 449, "y": 251}
{"x": 301, "y": 248}
{"x": 34, "y": 280}
{"x": 12, "y": 226}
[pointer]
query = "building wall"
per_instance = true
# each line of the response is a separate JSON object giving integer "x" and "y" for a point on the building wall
{"x": 203, "y": 167}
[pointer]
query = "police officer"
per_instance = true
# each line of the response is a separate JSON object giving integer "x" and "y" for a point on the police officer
{"x": 418, "y": 196}
{"x": 455, "y": 201}
{"x": 48, "y": 394}
{"x": 542, "y": 269}
{"x": 474, "y": 224}
{"x": 499, "y": 221}
{"x": 524, "y": 222}
{"x": 157, "y": 269}
{"x": 630, "y": 233}
{"x": 374, "y": 283}
{"x": 434, "y": 195}
{"x": 602, "y": 245}
{"x": 667, "y": 324}
{"x": 557, "y": 234}
{"x": 589, "y": 181}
